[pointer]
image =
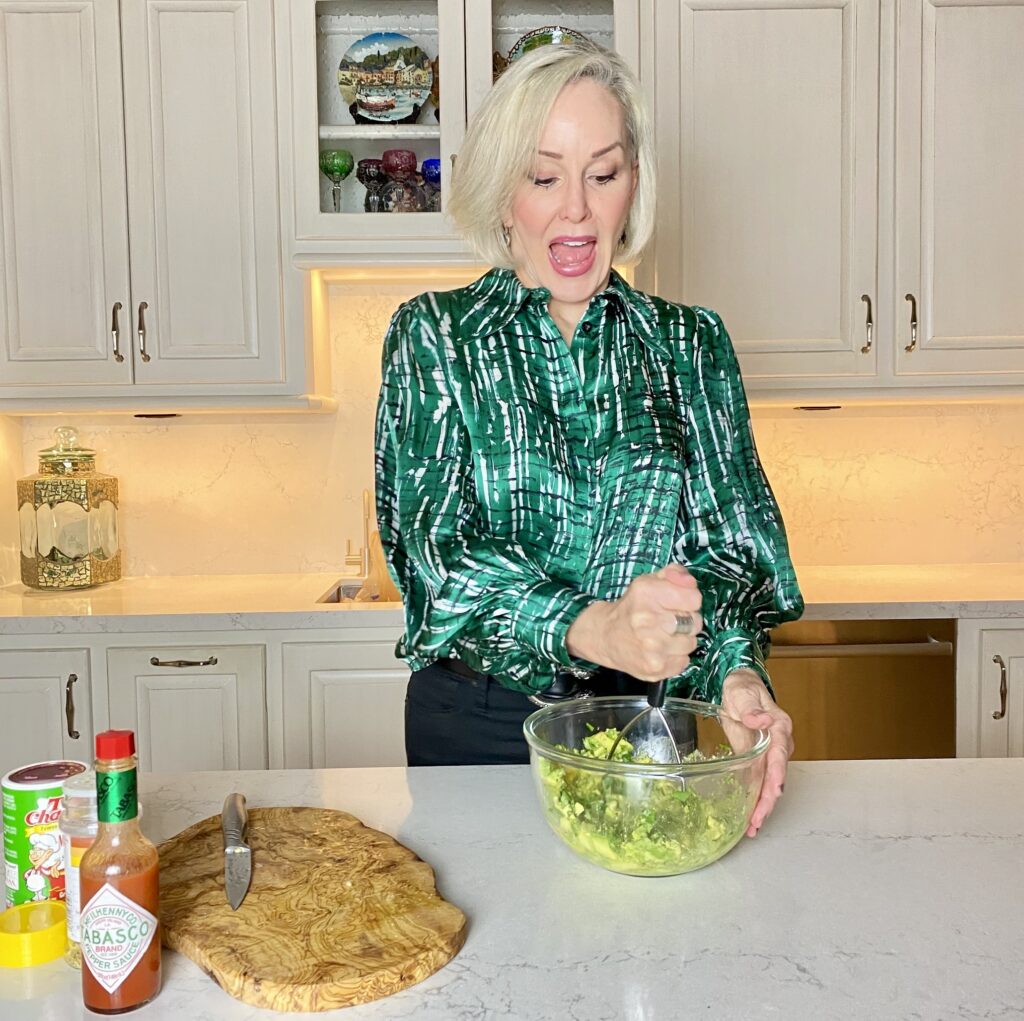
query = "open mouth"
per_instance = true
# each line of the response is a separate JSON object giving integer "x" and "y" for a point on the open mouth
{"x": 572, "y": 257}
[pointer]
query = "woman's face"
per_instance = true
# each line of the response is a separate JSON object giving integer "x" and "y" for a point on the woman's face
{"x": 567, "y": 217}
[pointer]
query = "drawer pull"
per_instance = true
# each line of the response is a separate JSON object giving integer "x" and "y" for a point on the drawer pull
{"x": 180, "y": 663}
{"x": 999, "y": 713}
{"x": 869, "y": 326}
{"x": 69, "y": 706}
{"x": 115, "y": 331}
{"x": 913, "y": 323}
{"x": 143, "y": 305}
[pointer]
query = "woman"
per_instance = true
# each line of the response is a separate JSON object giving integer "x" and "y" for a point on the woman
{"x": 567, "y": 486}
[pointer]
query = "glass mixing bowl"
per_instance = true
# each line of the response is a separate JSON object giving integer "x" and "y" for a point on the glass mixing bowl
{"x": 642, "y": 818}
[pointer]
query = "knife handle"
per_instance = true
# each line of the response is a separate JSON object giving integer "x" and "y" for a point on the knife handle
{"x": 234, "y": 819}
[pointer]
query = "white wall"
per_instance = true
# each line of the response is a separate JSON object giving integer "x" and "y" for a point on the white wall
{"x": 225, "y": 495}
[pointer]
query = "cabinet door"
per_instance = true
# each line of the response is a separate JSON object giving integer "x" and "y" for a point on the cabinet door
{"x": 203, "y": 193}
{"x": 45, "y": 707}
{"x": 960, "y": 204}
{"x": 192, "y": 708}
{"x": 327, "y": 41}
{"x": 766, "y": 121}
{"x": 1001, "y": 666}
{"x": 63, "y": 217}
{"x": 344, "y": 704}
{"x": 495, "y": 26}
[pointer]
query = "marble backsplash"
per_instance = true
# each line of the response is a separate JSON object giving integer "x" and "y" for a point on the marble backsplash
{"x": 221, "y": 494}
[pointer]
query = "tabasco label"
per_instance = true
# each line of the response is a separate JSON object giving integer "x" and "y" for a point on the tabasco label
{"x": 116, "y": 932}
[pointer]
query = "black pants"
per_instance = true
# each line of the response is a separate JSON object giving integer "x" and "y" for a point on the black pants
{"x": 451, "y": 720}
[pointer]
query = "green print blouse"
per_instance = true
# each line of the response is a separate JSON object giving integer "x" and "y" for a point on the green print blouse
{"x": 520, "y": 478}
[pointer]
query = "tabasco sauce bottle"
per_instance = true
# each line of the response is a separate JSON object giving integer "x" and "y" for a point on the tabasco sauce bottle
{"x": 120, "y": 891}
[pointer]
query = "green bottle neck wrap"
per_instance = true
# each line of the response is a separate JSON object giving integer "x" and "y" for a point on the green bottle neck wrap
{"x": 117, "y": 795}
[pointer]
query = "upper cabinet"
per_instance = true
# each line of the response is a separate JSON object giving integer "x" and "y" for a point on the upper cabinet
{"x": 380, "y": 91}
{"x": 959, "y": 192}
{"x": 63, "y": 197}
{"x": 839, "y": 182}
{"x": 140, "y": 198}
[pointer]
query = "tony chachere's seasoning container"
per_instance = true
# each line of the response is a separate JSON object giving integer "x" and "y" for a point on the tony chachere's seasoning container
{"x": 78, "y": 826}
{"x": 33, "y": 863}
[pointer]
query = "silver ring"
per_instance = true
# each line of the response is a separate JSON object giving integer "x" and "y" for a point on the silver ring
{"x": 684, "y": 624}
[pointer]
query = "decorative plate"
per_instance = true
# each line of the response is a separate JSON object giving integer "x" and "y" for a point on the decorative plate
{"x": 553, "y": 35}
{"x": 385, "y": 78}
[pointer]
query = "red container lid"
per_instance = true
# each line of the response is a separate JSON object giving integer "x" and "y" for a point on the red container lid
{"x": 115, "y": 744}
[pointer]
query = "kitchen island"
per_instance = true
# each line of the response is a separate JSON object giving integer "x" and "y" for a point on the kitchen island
{"x": 877, "y": 890}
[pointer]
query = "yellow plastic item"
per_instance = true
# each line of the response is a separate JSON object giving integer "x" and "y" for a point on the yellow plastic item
{"x": 32, "y": 933}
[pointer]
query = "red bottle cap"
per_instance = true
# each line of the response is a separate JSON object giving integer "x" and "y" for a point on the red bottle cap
{"x": 115, "y": 744}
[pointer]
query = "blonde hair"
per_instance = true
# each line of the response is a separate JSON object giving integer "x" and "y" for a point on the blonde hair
{"x": 502, "y": 140}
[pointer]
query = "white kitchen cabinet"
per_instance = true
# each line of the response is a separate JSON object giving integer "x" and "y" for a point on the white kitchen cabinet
{"x": 142, "y": 259}
{"x": 464, "y": 36}
{"x": 196, "y": 707}
{"x": 344, "y": 703}
{"x": 990, "y": 688}
{"x": 63, "y": 205}
{"x": 766, "y": 120}
{"x": 45, "y": 706}
{"x": 820, "y": 162}
{"x": 959, "y": 200}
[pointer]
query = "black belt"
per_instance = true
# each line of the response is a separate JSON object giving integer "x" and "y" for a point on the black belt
{"x": 564, "y": 686}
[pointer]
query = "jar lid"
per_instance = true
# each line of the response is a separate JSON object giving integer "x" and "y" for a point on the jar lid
{"x": 66, "y": 451}
{"x": 81, "y": 787}
{"x": 32, "y": 933}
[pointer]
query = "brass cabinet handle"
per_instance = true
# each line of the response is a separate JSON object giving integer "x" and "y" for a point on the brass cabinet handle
{"x": 913, "y": 322}
{"x": 180, "y": 663}
{"x": 69, "y": 706}
{"x": 115, "y": 331}
{"x": 1001, "y": 711}
{"x": 142, "y": 330}
{"x": 869, "y": 325}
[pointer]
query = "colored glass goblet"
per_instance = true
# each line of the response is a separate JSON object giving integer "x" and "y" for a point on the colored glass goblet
{"x": 370, "y": 174}
{"x": 336, "y": 165}
{"x": 402, "y": 194}
{"x": 430, "y": 171}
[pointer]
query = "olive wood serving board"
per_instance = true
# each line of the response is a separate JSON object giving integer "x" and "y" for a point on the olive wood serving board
{"x": 336, "y": 914}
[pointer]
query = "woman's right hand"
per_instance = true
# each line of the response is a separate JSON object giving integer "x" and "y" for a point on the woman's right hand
{"x": 637, "y": 633}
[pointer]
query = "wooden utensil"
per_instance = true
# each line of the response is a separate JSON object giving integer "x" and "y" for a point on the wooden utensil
{"x": 337, "y": 914}
{"x": 378, "y": 585}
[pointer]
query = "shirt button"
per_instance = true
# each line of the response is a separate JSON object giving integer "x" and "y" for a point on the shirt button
{"x": 587, "y": 327}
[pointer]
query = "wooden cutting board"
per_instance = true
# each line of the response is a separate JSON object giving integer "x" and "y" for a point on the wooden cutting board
{"x": 337, "y": 914}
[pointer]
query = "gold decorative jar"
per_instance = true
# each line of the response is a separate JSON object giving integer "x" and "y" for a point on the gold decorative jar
{"x": 68, "y": 518}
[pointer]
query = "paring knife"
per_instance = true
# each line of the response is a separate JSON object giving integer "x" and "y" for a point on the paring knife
{"x": 237, "y": 855}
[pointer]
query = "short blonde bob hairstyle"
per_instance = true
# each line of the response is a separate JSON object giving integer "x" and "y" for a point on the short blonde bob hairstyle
{"x": 503, "y": 137}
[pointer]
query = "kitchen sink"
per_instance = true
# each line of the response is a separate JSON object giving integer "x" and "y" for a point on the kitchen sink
{"x": 343, "y": 591}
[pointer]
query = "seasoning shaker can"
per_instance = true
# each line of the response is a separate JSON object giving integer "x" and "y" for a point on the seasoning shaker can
{"x": 33, "y": 863}
{"x": 78, "y": 826}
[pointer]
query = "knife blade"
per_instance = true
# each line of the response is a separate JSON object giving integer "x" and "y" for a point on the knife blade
{"x": 237, "y": 855}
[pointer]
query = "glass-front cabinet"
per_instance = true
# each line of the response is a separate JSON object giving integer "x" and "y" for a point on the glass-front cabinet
{"x": 381, "y": 91}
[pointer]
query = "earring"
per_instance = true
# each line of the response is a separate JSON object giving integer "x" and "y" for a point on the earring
{"x": 622, "y": 239}
{"x": 506, "y": 235}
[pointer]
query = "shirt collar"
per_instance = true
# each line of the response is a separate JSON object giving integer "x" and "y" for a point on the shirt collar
{"x": 499, "y": 295}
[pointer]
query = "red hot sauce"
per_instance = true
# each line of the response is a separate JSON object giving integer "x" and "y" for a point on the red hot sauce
{"x": 120, "y": 889}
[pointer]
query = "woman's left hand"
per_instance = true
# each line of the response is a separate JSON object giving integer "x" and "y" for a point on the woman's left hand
{"x": 745, "y": 698}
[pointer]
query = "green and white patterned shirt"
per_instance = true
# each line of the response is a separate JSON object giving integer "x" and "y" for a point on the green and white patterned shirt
{"x": 520, "y": 478}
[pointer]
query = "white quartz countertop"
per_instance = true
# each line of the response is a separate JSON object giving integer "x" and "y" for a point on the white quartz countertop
{"x": 284, "y": 601}
{"x": 882, "y": 890}
{"x": 216, "y": 602}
